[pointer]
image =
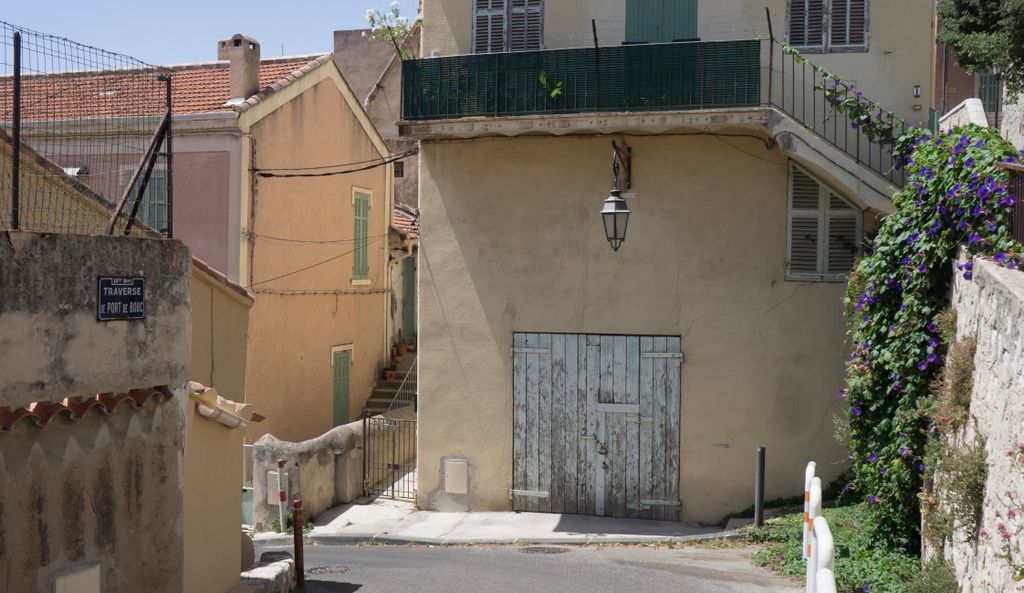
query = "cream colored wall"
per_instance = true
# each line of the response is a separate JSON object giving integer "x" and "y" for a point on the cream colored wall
{"x": 298, "y": 318}
{"x": 513, "y": 241}
{"x": 900, "y": 52}
{"x": 213, "y": 505}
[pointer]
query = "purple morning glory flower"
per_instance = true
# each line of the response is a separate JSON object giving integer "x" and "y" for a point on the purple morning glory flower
{"x": 881, "y": 470}
{"x": 872, "y": 458}
{"x": 922, "y": 268}
{"x": 922, "y": 366}
{"x": 973, "y": 238}
{"x": 969, "y": 163}
{"x": 856, "y": 410}
{"x": 933, "y": 359}
{"x": 1000, "y": 258}
{"x": 842, "y": 393}
{"x": 931, "y": 327}
{"x": 933, "y": 342}
{"x": 872, "y": 500}
{"x": 866, "y": 587}
{"x": 920, "y": 468}
{"x": 968, "y": 275}
{"x": 913, "y": 238}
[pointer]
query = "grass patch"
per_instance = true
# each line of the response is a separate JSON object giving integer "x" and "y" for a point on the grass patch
{"x": 861, "y": 558}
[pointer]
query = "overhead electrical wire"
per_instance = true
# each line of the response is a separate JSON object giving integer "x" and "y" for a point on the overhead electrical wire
{"x": 311, "y": 266}
{"x": 367, "y": 165}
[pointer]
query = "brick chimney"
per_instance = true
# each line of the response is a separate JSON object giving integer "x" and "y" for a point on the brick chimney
{"x": 244, "y": 55}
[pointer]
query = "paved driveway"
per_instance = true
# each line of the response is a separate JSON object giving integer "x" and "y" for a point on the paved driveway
{"x": 419, "y": 569}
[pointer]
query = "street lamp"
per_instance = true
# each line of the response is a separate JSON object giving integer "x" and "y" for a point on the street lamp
{"x": 615, "y": 212}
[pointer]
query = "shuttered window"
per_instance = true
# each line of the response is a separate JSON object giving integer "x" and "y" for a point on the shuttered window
{"x": 360, "y": 253}
{"x": 153, "y": 208}
{"x": 824, "y": 230}
{"x": 828, "y": 25}
{"x": 507, "y": 25}
{"x": 660, "y": 21}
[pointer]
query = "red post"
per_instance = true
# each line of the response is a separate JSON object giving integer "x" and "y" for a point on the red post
{"x": 300, "y": 571}
{"x": 282, "y": 500}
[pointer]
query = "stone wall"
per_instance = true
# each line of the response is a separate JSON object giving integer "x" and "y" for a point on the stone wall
{"x": 991, "y": 306}
{"x": 92, "y": 414}
{"x": 322, "y": 472}
{"x": 51, "y": 345}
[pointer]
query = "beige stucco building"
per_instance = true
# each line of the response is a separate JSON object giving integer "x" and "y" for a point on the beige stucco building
{"x": 556, "y": 374}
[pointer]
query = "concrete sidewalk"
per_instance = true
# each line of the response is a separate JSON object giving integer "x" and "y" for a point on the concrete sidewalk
{"x": 386, "y": 521}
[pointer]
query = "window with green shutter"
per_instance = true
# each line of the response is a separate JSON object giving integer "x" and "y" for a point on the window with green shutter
{"x": 660, "y": 21}
{"x": 824, "y": 230}
{"x": 360, "y": 253}
{"x": 827, "y": 25}
{"x": 153, "y": 208}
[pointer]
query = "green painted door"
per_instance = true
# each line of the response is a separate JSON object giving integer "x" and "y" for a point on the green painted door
{"x": 342, "y": 363}
{"x": 409, "y": 300}
{"x": 660, "y": 21}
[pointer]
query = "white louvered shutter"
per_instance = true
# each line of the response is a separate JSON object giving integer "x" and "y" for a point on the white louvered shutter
{"x": 807, "y": 24}
{"x": 849, "y": 26}
{"x": 805, "y": 217}
{"x": 526, "y": 25}
{"x": 844, "y": 229}
{"x": 489, "y": 26}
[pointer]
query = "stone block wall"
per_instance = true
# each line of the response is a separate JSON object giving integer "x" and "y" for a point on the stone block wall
{"x": 991, "y": 306}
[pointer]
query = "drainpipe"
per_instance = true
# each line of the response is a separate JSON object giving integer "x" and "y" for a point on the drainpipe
{"x": 221, "y": 417}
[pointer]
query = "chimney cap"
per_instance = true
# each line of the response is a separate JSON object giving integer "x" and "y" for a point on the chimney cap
{"x": 239, "y": 40}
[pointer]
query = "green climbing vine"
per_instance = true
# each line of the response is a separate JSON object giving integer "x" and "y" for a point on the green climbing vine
{"x": 956, "y": 195}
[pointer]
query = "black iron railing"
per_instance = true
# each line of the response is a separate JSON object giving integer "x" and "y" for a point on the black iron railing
{"x": 1016, "y": 188}
{"x": 812, "y": 96}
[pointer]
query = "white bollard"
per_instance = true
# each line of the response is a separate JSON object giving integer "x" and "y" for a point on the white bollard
{"x": 826, "y": 551}
{"x": 813, "y": 511}
{"x": 808, "y": 476}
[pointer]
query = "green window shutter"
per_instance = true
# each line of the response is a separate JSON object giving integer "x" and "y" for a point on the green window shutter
{"x": 526, "y": 25}
{"x": 153, "y": 207}
{"x": 361, "y": 259}
{"x": 660, "y": 21}
{"x": 489, "y": 25}
{"x": 341, "y": 363}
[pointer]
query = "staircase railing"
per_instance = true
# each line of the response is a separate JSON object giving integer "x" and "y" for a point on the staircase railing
{"x": 836, "y": 111}
{"x": 406, "y": 394}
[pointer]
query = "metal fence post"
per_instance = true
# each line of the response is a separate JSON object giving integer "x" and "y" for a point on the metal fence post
{"x": 16, "y": 138}
{"x": 300, "y": 569}
{"x": 759, "y": 488}
{"x": 169, "y": 146}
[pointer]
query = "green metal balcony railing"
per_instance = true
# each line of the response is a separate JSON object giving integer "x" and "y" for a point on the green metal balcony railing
{"x": 650, "y": 77}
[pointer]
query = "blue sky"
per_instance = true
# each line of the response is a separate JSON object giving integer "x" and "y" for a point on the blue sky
{"x": 176, "y": 31}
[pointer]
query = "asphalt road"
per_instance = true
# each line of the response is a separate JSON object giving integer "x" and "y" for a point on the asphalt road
{"x": 409, "y": 569}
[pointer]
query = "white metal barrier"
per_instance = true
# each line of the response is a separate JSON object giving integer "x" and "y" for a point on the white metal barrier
{"x": 819, "y": 547}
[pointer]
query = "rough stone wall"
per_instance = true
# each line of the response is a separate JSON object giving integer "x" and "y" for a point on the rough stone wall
{"x": 101, "y": 490}
{"x": 322, "y": 472}
{"x": 51, "y": 345}
{"x": 1012, "y": 124}
{"x": 991, "y": 306}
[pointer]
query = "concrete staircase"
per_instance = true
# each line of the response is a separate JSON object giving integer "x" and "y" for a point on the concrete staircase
{"x": 385, "y": 391}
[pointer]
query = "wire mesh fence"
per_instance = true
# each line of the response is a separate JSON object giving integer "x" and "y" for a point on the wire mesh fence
{"x": 84, "y": 133}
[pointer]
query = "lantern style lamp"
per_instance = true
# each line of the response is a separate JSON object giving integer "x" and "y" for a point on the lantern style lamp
{"x": 615, "y": 212}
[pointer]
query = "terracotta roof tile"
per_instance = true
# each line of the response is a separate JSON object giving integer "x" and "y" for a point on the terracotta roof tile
{"x": 74, "y": 408}
{"x": 406, "y": 223}
{"x": 198, "y": 88}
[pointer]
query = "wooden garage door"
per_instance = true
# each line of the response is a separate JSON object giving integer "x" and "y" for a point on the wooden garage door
{"x": 596, "y": 424}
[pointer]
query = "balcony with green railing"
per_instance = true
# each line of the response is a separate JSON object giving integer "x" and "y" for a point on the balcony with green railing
{"x": 630, "y": 78}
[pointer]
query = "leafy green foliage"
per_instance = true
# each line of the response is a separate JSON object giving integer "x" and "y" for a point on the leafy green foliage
{"x": 956, "y": 195}
{"x": 553, "y": 89}
{"x": 937, "y": 577}
{"x": 861, "y": 556}
{"x": 392, "y": 28}
{"x": 986, "y": 35}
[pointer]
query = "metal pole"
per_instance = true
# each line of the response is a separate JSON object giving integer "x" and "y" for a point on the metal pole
{"x": 169, "y": 144}
{"x": 282, "y": 500}
{"x": 16, "y": 159}
{"x": 759, "y": 488}
{"x": 771, "y": 54}
{"x": 300, "y": 570}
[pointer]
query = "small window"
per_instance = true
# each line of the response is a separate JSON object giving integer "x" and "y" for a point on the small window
{"x": 658, "y": 21}
{"x": 361, "y": 236}
{"x": 828, "y": 25}
{"x": 153, "y": 208}
{"x": 824, "y": 230}
{"x": 507, "y": 25}
{"x": 399, "y": 168}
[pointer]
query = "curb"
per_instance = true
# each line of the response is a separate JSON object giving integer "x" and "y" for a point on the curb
{"x": 399, "y": 540}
